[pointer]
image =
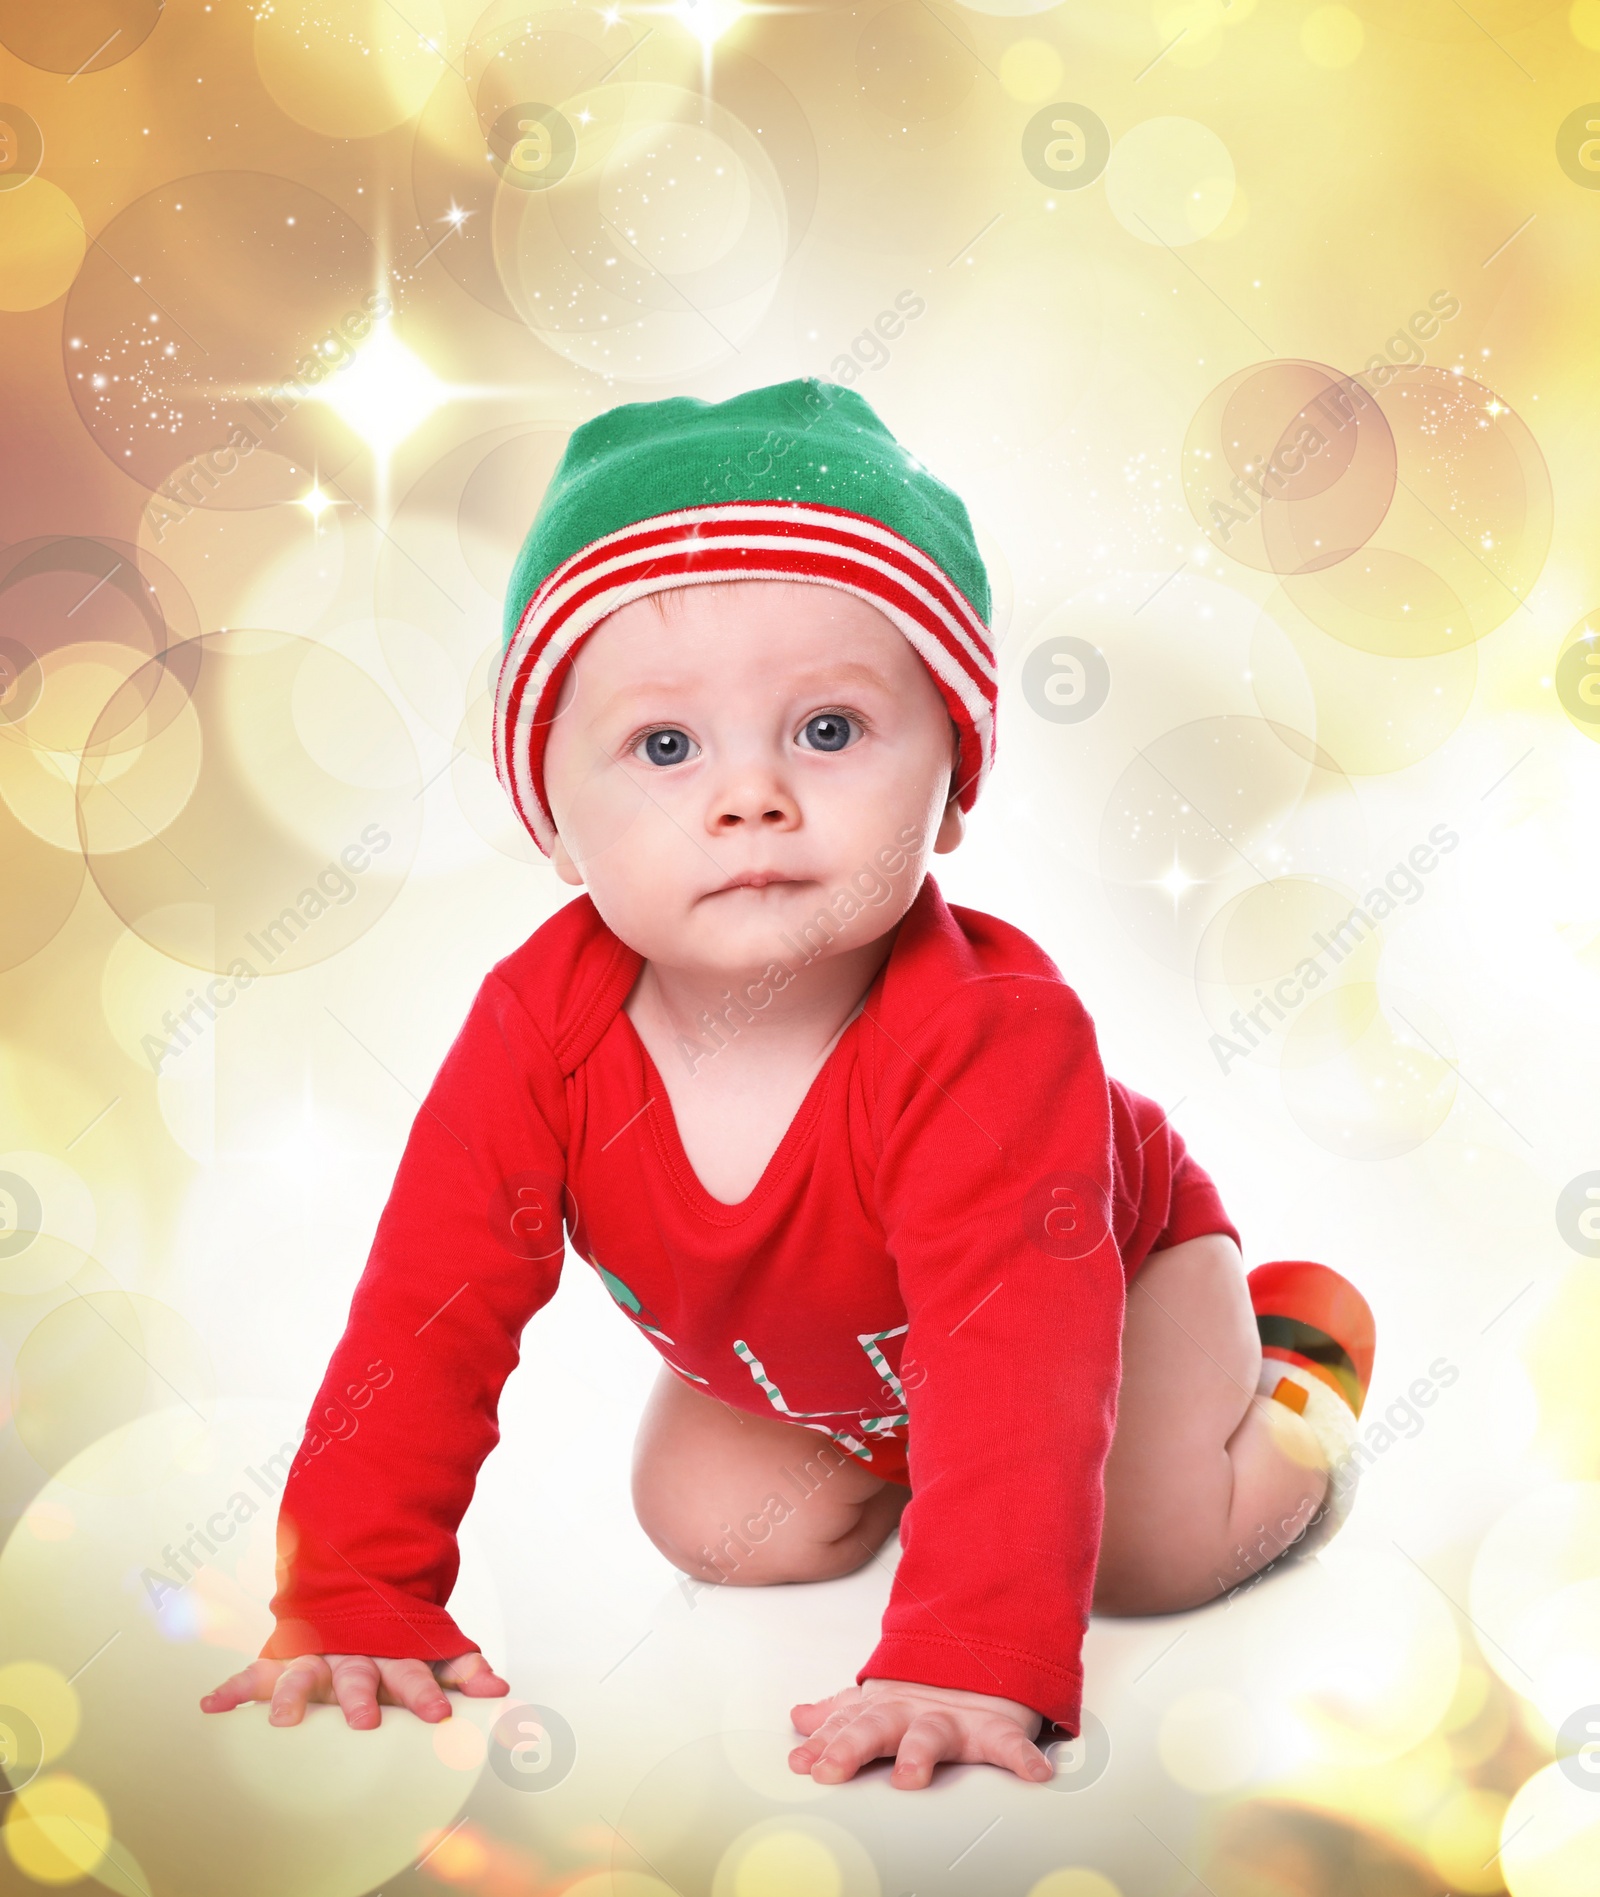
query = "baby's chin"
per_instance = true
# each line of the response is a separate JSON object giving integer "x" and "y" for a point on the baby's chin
{"x": 746, "y": 923}
{"x": 732, "y": 930}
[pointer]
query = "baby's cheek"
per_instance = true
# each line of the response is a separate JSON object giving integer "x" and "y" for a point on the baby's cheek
{"x": 608, "y": 823}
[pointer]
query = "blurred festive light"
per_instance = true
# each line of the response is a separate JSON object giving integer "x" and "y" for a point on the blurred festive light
{"x": 316, "y": 504}
{"x": 1550, "y": 1837}
{"x": 1569, "y": 1396}
{"x": 1176, "y": 881}
{"x": 1379, "y": 1680}
{"x": 1463, "y": 1840}
{"x": 386, "y": 393}
{"x": 1533, "y": 1596}
{"x": 707, "y": 20}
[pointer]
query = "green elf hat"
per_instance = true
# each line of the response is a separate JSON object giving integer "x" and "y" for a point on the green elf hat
{"x": 797, "y": 481}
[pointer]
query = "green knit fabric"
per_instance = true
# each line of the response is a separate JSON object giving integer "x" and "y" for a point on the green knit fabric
{"x": 804, "y": 440}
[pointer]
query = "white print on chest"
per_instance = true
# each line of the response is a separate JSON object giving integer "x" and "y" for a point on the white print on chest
{"x": 869, "y": 1341}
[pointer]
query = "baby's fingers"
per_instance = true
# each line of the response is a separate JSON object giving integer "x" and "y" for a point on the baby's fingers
{"x": 473, "y": 1674}
{"x": 255, "y": 1681}
{"x": 306, "y": 1675}
{"x": 850, "y": 1739}
{"x": 930, "y": 1737}
{"x": 355, "y": 1687}
{"x": 936, "y": 1735}
{"x": 412, "y": 1683}
{"x": 811, "y": 1715}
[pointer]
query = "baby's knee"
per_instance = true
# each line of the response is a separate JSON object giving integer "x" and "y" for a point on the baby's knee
{"x": 773, "y": 1543}
{"x": 1162, "y": 1583}
{"x": 749, "y": 1552}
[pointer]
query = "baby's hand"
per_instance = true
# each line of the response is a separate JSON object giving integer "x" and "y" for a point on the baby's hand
{"x": 358, "y": 1681}
{"x": 920, "y": 1725}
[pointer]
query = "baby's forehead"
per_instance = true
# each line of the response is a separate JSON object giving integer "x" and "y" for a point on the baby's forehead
{"x": 777, "y": 627}
{"x": 761, "y": 599}
{"x": 679, "y": 675}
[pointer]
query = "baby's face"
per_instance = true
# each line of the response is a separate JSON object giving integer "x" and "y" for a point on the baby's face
{"x": 770, "y": 729}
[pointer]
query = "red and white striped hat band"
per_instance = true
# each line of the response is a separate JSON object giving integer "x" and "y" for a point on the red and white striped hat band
{"x": 744, "y": 539}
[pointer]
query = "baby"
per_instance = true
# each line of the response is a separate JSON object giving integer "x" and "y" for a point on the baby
{"x": 844, "y": 1153}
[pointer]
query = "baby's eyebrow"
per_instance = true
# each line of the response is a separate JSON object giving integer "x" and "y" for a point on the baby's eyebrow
{"x": 641, "y": 688}
{"x": 850, "y": 671}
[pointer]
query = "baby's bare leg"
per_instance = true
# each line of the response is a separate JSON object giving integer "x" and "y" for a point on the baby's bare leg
{"x": 1206, "y": 1482}
{"x": 729, "y": 1496}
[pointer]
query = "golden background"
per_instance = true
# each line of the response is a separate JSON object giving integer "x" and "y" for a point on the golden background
{"x": 300, "y": 303}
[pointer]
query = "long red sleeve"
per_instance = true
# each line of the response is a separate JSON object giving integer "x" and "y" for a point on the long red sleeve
{"x": 995, "y": 1186}
{"x": 469, "y": 1246}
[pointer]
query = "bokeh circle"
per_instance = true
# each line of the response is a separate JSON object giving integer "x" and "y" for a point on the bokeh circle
{"x": 1201, "y": 811}
{"x": 249, "y": 804}
{"x": 100, "y": 1360}
{"x": 43, "y": 243}
{"x": 202, "y": 322}
{"x": 1366, "y": 1072}
{"x": 21, "y": 146}
{"x": 439, "y": 603}
{"x": 661, "y": 250}
{"x": 147, "y": 1598}
{"x": 1289, "y": 466}
{"x": 350, "y": 68}
{"x": 1170, "y": 181}
{"x": 83, "y": 38}
{"x": 1465, "y": 537}
{"x": 1371, "y": 712}
{"x": 700, "y": 1823}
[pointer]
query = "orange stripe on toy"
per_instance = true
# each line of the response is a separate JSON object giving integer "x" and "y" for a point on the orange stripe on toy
{"x": 1317, "y": 1370}
{"x": 1291, "y": 1395}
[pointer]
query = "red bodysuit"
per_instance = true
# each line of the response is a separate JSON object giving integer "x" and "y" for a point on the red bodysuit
{"x": 930, "y": 1275}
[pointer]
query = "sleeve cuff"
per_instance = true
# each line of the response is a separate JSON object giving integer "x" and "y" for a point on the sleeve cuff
{"x": 428, "y": 1634}
{"x": 981, "y": 1666}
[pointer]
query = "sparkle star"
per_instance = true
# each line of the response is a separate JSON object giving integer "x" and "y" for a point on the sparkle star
{"x": 316, "y": 504}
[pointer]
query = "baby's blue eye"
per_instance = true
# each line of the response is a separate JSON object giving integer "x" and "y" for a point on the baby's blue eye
{"x": 828, "y": 731}
{"x": 665, "y": 747}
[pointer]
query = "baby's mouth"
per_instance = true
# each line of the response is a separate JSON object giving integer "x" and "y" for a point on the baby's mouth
{"x": 756, "y": 882}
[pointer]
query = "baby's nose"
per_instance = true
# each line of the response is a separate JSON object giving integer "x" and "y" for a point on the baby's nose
{"x": 777, "y": 816}
{"x": 752, "y": 791}
{"x": 754, "y": 796}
